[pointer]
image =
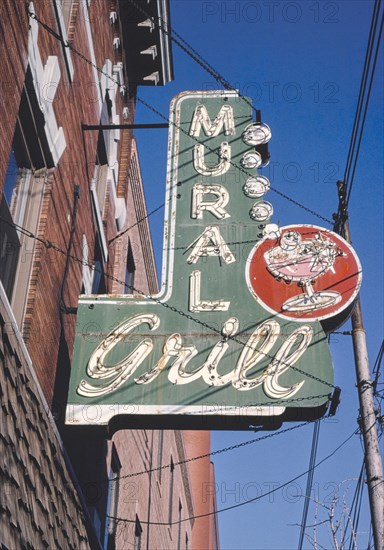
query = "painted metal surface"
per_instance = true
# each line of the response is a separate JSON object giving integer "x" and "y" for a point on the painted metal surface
{"x": 214, "y": 349}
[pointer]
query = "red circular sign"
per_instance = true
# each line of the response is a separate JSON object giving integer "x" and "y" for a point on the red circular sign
{"x": 304, "y": 272}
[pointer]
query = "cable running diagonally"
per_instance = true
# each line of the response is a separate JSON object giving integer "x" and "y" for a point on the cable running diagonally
{"x": 363, "y": 84}
{"x": 239, "y": 167}
{"x": 255, "y": 499}
{"x": 101, "y": 71}
{"x": 355, "y": 509}
{"x": 50, "y": 245}
{"x": 312, "y": 462}
{"x": 221, "y": 451}
{"x": 373, "y": 47}
{"x": 352, "y": 177}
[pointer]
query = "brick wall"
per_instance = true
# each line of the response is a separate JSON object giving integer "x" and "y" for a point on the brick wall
{"x": 151, "y": 496}
{"x": 40, "y": 507}
{"x": 43, "y": 507}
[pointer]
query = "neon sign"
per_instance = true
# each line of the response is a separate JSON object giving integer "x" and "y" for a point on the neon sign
{"x": 236, "y": 335}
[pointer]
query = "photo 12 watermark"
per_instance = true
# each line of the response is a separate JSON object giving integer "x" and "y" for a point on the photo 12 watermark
{"x": 270, "y": 12}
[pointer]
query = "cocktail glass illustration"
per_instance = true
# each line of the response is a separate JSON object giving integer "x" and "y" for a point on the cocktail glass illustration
{"x": 303, "y": 261}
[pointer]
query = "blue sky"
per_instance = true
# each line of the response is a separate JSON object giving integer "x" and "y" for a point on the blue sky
{"x": 301, "y": 63}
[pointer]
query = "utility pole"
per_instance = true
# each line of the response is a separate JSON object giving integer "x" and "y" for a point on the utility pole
{"x": 367, "y": 420}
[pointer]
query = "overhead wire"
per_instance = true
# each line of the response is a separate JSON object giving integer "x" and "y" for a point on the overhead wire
{"x": 198, "y": 58}
{"x": 361, "y": 112}
{"x": 350, "y": 178}
{"x": 50, "y": 245}
{"x": 310, "y": 469}
{"x": 210, "y": 454}
{"x": 221, "y": 451}
{"x": 370, "y": 539}
{"x": 377, "y": 366}
{"x": 308, "y": 489}
{"x": 378, "y": 393}
{"x": 187, "y": 48}
{"x": 244, "y": 503}
{"x": 166, "y": 118}
{"x": 355, "y": 510}
{"x": 226, "y": 84}
{"x": 238, "y": 167}
{"x": 361, "y": 94}
{"x": 121, "y": 282}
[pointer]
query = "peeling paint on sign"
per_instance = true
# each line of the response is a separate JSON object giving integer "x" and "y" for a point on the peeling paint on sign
{"x": 236, "y": 336}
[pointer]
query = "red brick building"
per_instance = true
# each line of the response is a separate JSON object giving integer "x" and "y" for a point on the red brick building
{"x": 66, "y": 192}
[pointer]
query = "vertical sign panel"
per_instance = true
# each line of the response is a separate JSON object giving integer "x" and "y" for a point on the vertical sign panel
{"x": 236, "y": 336}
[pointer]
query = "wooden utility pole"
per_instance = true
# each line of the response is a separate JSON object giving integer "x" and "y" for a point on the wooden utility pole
{"x": 367, "y": 420}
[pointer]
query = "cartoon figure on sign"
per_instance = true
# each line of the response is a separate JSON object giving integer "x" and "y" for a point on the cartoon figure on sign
{"x": 314, "y": 258}
{"x": 304, "y": 261}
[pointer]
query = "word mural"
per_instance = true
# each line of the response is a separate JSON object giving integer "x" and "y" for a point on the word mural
{"x": 230, "y": 341}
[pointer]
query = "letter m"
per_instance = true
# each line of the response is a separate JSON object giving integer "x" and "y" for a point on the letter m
{"x": 201, "y": 119}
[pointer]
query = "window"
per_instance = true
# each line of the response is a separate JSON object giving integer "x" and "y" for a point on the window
{"x": 69, "y": 9}
{"x": 112, "y": 502}
{"x": 108, "y": 140}
{"x": 171, "y": 482}
{"x": 63, "y": 11}
{"x": 9, "y": 248}
{"x": 106, "y": 165}
{"x": 9, "y": 239}
{"x": 87, "y": 271}
{"x": 186, "y": 541}
{"x": 98, "y": 284}
{"x": 98, "y": 184}
{"x": 44, "y": 84}
{"x": 20, "y": 202}
{"x": 100, "y": 175}
{"x": 130, "y": 272}
{"x": 138, "y": 532}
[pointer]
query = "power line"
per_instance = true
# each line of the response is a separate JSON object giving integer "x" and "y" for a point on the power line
{"x": 356, "y": 508}
{"x": 361, "y": 112}
{"x": 122, "y": 233}
{"x": 153, "y": 109}
{"x": 238, "y": 167}
{"x": 312, "y": 461}
{"x": 351, "y": 179}
{"x": 244, "y": 503}
{"x": 50, "y": 245}
{"x": 198, "y": 58}
{"x": 377, "y": 366}
{"x": 225, "y": 449}
{"x": 207, "y": 325}
{"x": 218, "y": 451}
{"x": 190, "y": 51}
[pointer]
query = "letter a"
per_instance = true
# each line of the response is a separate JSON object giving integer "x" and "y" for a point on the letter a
{"x": 210, "y": 243}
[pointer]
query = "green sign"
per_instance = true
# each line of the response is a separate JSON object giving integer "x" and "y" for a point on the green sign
{"x": 207, "y": 352}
